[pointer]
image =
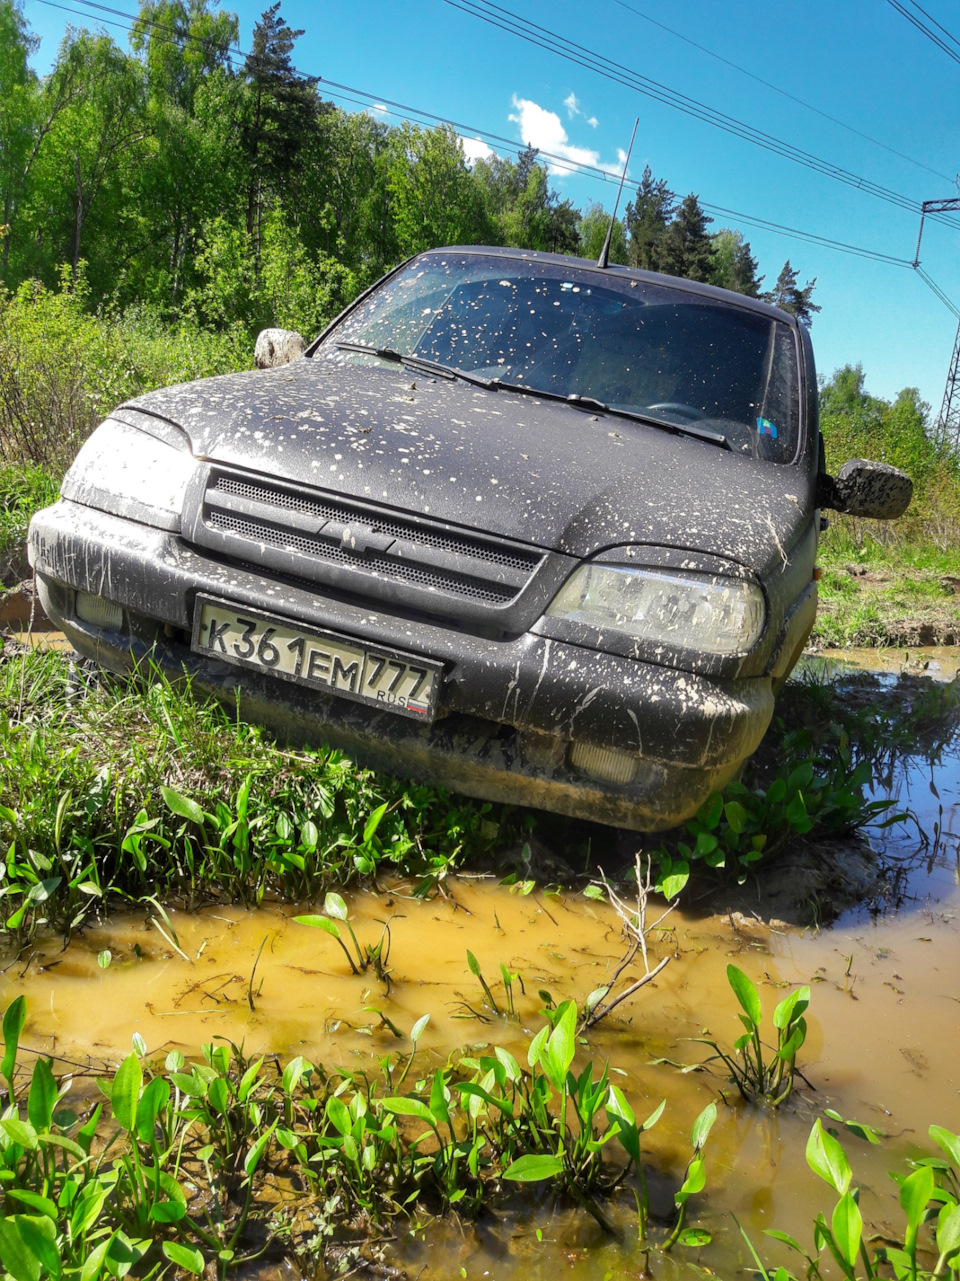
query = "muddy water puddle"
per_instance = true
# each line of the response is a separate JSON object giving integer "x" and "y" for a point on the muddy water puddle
{"x": 883, "y": 1043}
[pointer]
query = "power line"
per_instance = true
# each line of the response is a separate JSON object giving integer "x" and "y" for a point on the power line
{"x": 496, "y": 16}
{"x": 361, "y": 97}
{"x": 925, "y": 30}
{"x": 783, "y": 92}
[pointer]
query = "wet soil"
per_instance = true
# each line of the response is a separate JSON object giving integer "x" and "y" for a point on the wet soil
{"x": 883, "y": 1044}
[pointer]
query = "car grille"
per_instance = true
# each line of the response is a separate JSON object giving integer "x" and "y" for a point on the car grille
{"x": 321, "y": 538}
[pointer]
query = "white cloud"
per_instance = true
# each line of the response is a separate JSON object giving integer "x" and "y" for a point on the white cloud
{"x": 572, "y": 104}
{"x": 544, "y": 130}
{"x": 475, "y": 149}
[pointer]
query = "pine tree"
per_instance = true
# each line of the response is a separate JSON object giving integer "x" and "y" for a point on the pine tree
{"x": 732, "y": 265}
{"x": 786, "y": 293}
{"x": 647, "y": 219}
{"x": 686, "y": 246}
{"x": 283, "y": 112}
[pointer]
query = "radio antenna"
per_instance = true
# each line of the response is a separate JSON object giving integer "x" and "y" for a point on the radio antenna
{"x": 603, "y": 260}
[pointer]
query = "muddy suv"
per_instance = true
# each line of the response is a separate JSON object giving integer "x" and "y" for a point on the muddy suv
{"x": 539, "y": 531}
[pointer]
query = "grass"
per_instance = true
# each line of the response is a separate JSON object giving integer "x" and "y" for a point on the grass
{"x": 24, "y": 489}
{"x": 879, "y": 588}
{"x": 134, "y": 789}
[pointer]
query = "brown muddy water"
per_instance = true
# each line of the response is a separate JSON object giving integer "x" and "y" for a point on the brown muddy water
{"x": 882, "y": 1048}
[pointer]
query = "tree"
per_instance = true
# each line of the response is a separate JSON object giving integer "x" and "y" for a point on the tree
{"x": 686, "y": 245}
{"x": 593, "y": 232}
{"x": 435, "y": 200}
{"x": 283, "y": 108}
{"x": 190, "y": 172}
{"x": 647, "y": 220}
{"x": 786, "y": 293}
{"x": 732, "y": 266}
{"x": 19, "y": 111}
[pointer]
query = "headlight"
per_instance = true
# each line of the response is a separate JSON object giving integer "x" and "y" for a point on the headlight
{"x": 712, "y": 614}
{"x": 130, "y": 473}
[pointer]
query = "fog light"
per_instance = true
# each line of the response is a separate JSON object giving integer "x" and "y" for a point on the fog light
{"x": 99, "y": 612}
{"x": 605, "y": 763}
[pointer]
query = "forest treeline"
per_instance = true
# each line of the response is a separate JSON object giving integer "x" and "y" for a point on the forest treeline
{"x": 178, "y": 175}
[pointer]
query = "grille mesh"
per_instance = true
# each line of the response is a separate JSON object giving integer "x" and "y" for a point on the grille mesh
{"x": 324, "y": 510}
{"x": 386, "y": 567}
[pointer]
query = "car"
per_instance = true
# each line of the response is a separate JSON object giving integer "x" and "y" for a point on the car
{"x": 535, "y": 529}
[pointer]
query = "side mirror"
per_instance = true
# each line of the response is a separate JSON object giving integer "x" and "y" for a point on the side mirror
{"x": 277, "y": 347}
{"x": 873, "y": 490}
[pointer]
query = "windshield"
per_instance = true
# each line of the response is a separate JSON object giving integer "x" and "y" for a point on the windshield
{"x": 643, "y": 348}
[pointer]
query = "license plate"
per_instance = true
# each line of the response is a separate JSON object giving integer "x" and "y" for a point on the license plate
{"x": 322, "y": 660}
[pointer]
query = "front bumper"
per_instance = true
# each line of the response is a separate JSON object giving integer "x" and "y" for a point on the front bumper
{"x": 509, "y": 708}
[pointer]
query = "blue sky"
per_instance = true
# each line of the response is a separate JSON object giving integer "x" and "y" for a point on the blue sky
{"x": 857, "y": 60}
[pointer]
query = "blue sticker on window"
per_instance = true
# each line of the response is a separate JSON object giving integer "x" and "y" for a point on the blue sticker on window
{"x": 766, "y": 428}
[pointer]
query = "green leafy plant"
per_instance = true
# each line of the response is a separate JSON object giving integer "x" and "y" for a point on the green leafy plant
{"x": 336, "y": 914}
{"x": 763, "y": 1074}
{"x": 925, "y": 1247}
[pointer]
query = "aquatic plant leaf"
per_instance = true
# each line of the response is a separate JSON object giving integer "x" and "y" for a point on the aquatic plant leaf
{"x": 915, "y": 1193}
{"x": 42, "y": 1204}
{"x": 15, "y": 1255}
{"x": 93, "y": 1263}
{"x": 42, "y": 1097}
{"x": 827, "y": 1158}
{"x": 154, "y": 1098}
{"x": 474, "y": 964}
{"x": 292, "y": 1073}
{"x": 14, "y": 1017}
{"x": 657, "y": 1113}
{"x": 695, "y": 1181}
{"x": 181, "y": 805}
{"x": 167, "y": 1211}
{"x": 184, "y": 1256}
{"x": 694, "y": 1237}
{"x": 557, "y": 1055}
{"x": 672, "y": 884}
{"x": 948, "y": 1141}
{"x": 125, "y": 1092}
{"x": 339, "y": 1115}
{"x": 373, "y": 822}
{"x": 417, "y": 1030}
{"x": 535, "y": 1047}
{"x": 702, "y": 1126}
{"x": 788, "y": 1008}
{"x": 411, "y": 1107}
{"x": 847, "y": 1224}
{"x": 320, "y": 923}
{"x": 87, "y": 1209}
{"x": 534, "y": 1168}
{"x": 335, "y": 906}
{"x": 39, "y": 1235}
{"x": 948, "y": 1229}
{"x": 252, "y": 1159}
{"x": 746, "y": 994}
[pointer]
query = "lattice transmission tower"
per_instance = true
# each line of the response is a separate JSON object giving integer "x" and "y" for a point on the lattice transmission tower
{"x": 948, "y": 424}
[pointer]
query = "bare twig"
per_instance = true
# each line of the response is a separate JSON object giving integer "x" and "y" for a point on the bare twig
{"x": 636, "y": 929}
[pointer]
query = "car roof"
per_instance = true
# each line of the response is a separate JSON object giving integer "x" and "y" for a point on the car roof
{"x": 626, "y": 273}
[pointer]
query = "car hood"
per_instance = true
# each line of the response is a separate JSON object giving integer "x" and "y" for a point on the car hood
{"x": 524, "y": 468}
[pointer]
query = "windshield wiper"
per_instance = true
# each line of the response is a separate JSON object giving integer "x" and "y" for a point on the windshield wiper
{"x": 588, "y": 402}
{"x": 420, "y": 363}
{"x": 498, "y": 384}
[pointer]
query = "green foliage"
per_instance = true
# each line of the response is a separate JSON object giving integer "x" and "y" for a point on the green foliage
{"x": 818, "y": 789}
{"x": 593, "y": 233}
{"x": 24, "y": 489}
{"x": 62, "y": 369}
{"x": 927, "y": 1244}
{"x": 136, "y": 789}
{"x": 758, "y": 1078}
{"x": 176, "y": 1172}
{"x": 856, "y": 424}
